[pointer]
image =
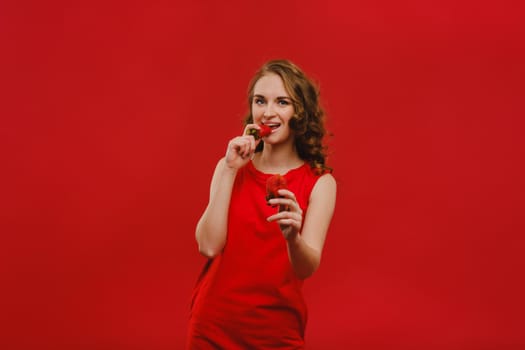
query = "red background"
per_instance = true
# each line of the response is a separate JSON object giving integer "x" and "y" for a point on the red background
{"x": 113, "y": 116}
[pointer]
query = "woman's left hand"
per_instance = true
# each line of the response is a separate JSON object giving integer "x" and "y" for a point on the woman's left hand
{"x": 290, "y": 219}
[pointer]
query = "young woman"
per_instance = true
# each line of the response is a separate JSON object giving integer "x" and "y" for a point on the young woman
{"x": 249, "y": 294}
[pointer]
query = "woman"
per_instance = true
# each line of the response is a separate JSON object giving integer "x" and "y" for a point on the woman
{"x": 249, "y": 293}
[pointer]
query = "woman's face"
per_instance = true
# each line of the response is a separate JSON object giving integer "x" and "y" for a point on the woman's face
{"x": 272, "y": 106}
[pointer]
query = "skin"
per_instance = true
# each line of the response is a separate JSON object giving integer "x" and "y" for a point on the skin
{"x": 271, "y": 106}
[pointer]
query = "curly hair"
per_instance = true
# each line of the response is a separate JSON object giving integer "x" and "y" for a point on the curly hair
{"x": 308, "y": 122}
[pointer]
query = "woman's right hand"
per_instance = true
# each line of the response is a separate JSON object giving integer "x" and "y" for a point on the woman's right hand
{"x": 241, "y": 149}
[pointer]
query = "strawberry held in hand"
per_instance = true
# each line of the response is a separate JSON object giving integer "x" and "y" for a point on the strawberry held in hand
{"x": 258, "y": 133}
{"x": 273, "y": 185}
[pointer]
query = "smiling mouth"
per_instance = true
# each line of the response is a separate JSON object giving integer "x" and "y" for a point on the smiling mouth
{"x": 273, "y": 126}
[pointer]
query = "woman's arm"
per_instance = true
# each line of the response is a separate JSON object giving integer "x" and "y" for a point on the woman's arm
{"x": 212, "y": 227}
{"x": 305, "y": 249}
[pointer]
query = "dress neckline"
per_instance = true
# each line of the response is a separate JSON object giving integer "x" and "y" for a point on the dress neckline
{"x": 258, "y": 173}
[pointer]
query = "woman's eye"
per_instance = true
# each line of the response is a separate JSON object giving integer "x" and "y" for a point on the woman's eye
{"x": 284, "y": 102}
{"x": 258, "y": 101}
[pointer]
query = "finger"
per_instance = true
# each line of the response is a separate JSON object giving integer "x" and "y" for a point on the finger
{"x": 250, "y": 126}
{"x": 287, "y": 194}
{"x": 293, "y": 200}
{"x": 233, "y": 148}
{"x": 243, "y": 147}
{"x": 253, "y": 144}
{"x": 236, "y": 143}
{"x": 275, "y": 217}
{"x": 280, "y": 201}
{"x": 240, "y": 151}
{"x": 290, "y": 204}
{"x": 285, "y": 215}
{"x": 249, "y": 130}
{"x": 290, "y": 222}
{"x": 248, "y": 147}
{"x": 289, "y": 228}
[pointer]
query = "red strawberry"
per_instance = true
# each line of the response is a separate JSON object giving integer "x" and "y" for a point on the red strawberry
{"x": 273, "y": 185}
{"x": 265, "y": 130}
{"x": 258, "y": 133}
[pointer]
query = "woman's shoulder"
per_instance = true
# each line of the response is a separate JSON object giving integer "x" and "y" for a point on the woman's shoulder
{"x": 322, "y": 181}
{"x": 326, "y": 180}
{"x": 324, "y": 189}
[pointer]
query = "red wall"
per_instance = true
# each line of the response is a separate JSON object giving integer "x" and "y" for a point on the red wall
{"x": 114, "y": 114}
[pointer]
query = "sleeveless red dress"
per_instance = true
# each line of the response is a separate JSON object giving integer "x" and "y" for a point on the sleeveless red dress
{"x": 248, "y": 297}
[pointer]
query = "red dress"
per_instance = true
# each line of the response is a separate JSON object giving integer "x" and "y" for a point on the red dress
{"x": 248, "y": 297}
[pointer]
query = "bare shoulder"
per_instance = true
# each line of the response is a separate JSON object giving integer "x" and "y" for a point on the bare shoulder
{"x": 325, "y": 186}
{"x": 321, "y": 207}
{"x": 323, "y": 194}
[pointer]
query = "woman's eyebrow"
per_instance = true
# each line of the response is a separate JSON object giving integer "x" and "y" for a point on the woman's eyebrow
{"x": 277, "y": 98}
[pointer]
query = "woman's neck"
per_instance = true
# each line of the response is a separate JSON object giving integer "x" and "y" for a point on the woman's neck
{"x": 277, "y": 160}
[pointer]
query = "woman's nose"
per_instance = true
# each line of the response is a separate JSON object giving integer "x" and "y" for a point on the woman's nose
{"x": 269, "y": 111}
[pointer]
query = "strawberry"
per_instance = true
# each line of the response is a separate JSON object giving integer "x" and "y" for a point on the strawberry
{"x": 273, "y": 185}
{"x": 258, "y": 133}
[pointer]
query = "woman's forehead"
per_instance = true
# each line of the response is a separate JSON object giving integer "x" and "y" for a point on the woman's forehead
{"x": 270, "y": 84}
